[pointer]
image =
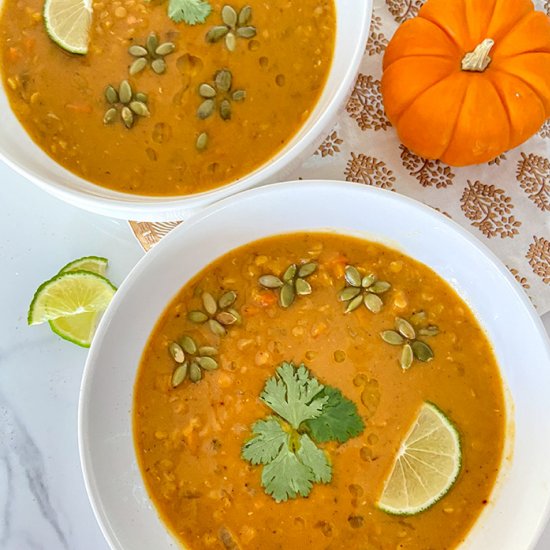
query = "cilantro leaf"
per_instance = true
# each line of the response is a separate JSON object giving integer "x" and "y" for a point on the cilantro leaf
{"x": 287, "y": 477}
{"x": 310, "y": 455}
{"x": 269, "y": 437}
{"x": 293, "y": 394}
{"x": 339, "y": 420}
{"x": 293, "y": 473}
{"x": 189, "y": 11}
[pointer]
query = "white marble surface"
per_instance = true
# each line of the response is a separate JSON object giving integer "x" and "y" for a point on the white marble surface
{"x": 43, "y": 504}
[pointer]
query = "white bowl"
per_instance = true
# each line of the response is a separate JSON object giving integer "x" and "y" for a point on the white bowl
{"x": 520, "y": 504}
{"x": 23, "y": 155}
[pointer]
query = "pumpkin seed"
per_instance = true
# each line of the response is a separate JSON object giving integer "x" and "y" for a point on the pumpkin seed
{"x": 287, "y": 295}
{"x": 417, "y": 317}
{"x": 202, "y": 141}
{"x": 422, "y": 351}
{"x": 210, "y": 305}
{"x": 379, "y": 287}
{"x": 246, "y": 32}
{"x": 195, "y": 373}
{"x": 197, "y": 316}
{"x": 176, "y": 352}
{"x": 230, "y": 41}
{"x": 303, "y": 288}
{"x": 188, "y": 345}
{"x": 159, "y": 66}
{"x": 354, "y": 304}
{"x": 407, "y": 357}
{"x": 227, "y": 299}
{"x": 392, "y": 337}
{"x": 225, "y": 109}
{"x": 179, "y": 374}
{"x": 206, "y": 109}
{"x": 368, "y": 280}
{"x": 235, "y": 314}
{"x": 207, "y": 91}
{"x": 138, "y": 65}
{"x": 307, "y": 269}
{"x": 216, "y": 33}
{"x": 229, "y": 16}
{"x": 207, "y": 350}
{"x": 139, "y": 108}
{"x": 140, "y": 96}
{"x": 348, "y": 293}
{"x": 290, "y": 273}
{"x": 111, "y": 95}
{"x": 245, "y": 15}
{"x": 223, "y": 80}
{"x": 137, "y": 51}
{"x": 207, "y": 363}
{"x": 216, "y": 328}
{"x": 430, "y": 330}
{"x": 352, "y": 275}
{"x": 152, "y": 43}
{"x": 125, "y": 92}
{"x": 226, "y": 318}
{"x": 373, "y": 302}
{"x": 405, "y": 328}
{"x": 127, "y": 117}
{"x": 110, "y": 116}
{"x": 238, "y": 95}
{"x": 165, "y": 49}
{"x": 270, "y": 281}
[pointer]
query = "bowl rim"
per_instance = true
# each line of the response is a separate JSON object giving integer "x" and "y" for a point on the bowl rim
{"x": 162, "y": 208}
{"x": 150, "y": 258}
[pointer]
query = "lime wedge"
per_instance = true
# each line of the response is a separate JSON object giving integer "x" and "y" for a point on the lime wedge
{"x": 68, "y": 23}
{"x": 95, "y": 264}
{"x": 426, "y": 467}
{"x": 70, "y": 294}
{"x": 78, "y": 329}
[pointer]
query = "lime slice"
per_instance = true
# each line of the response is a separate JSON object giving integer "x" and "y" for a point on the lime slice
{"x": 95, "y": 264}
{"x": 70, "y": 294}
{"x": 78, "y": 329}
{"x": 426, "y": 466}
{"x": 68, "y": 23}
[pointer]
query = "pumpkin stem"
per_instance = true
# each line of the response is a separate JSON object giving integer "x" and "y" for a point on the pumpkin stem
{"x": 479, "y": 59}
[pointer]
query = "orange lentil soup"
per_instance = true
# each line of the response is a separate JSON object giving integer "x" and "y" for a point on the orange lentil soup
{"x": 278, "y": 68}
{"x": 189, "y": 438}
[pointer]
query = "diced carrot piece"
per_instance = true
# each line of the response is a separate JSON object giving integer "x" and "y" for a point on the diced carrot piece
{"x": 14, "y": 54}
{"x": 266, "y": 299}
{"x": 84, "y": 108}
{"x": 29, "y": 44}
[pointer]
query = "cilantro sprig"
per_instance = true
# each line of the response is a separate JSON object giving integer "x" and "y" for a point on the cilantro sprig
{"x": 307, "y": 412}
{"x": 191, "y": 12}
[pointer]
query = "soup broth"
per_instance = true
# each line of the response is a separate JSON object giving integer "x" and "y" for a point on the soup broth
{"x": 189, "y": 438}
{"x": 277, "y": 75}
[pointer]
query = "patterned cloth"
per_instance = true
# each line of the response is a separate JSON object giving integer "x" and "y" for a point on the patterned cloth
{"x": 505, "y": 203}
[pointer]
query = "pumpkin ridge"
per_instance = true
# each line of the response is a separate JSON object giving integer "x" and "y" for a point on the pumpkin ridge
{"x": 506, "y": 109}
{"x": 417, "y": 97}
{"x": 505, "y": 32}
{"x": 422, "y": 56}
{"x": 528, "y": 84}
{"x": 460, "y": 47}
{"x": 455, "y": 123}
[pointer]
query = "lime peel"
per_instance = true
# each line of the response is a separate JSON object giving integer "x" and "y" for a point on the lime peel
{"x": 95, "y": 264}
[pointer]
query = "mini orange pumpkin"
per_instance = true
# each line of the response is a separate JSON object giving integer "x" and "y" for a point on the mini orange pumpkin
{"x": 467, "y": 80}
